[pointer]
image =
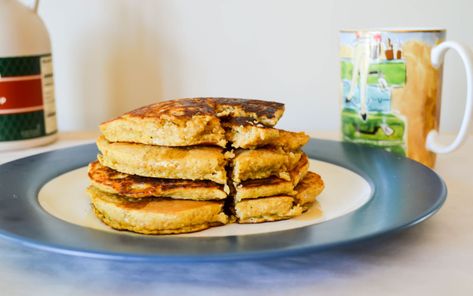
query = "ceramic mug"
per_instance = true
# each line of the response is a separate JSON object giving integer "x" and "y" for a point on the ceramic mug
{"x": 391, "y": 87}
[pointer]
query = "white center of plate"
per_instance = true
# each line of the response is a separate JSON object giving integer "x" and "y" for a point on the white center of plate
{"x": 345, "y": 191}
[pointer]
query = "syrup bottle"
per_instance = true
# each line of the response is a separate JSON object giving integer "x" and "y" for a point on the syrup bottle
{"x": 27, "y": 102}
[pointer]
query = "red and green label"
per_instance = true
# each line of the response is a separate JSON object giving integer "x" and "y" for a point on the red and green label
{"x": 27, "y": 103}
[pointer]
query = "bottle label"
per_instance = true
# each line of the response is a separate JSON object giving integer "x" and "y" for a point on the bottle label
{"x": 27, "y": 102}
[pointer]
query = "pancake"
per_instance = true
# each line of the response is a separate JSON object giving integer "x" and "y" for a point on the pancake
{"x": 308, "y": 189}
{"x": 197, "y": 163}
{"x": 134, "y": 187}
{"x": 246, "y": 133}
{"x": 273, "y": 185}
{"x": 187, "y": 122}
{"x": 273, "y": 208}
{"x": 267, "y": 113}
{"x": 263, "y": 163}
{"x": 266, "y": 209}
{"x": 156, "y": 215}
{"x": 168, "y": 167}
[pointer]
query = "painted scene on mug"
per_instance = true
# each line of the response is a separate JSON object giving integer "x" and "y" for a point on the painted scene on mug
{"x": 390, "y": 91}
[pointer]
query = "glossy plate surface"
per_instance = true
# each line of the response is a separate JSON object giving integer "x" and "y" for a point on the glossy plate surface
{"x": 403, "y": 193}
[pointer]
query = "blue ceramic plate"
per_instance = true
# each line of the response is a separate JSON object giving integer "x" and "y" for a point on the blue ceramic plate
{"x": 404, "y": 193}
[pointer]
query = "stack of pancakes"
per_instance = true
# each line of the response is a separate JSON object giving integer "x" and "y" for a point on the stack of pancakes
{"x": 186, "y": 165}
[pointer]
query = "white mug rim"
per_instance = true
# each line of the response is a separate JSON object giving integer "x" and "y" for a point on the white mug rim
{"x": 397, "y": 30}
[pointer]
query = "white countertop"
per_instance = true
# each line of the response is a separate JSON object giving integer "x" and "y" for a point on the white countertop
{"x": 432, "y": 258}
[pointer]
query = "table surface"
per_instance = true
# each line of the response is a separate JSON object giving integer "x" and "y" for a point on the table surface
{"x": 434, "y": 257}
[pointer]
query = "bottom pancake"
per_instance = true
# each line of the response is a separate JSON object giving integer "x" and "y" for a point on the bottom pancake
{"x": 280, "y": 207}
{"x": 266, "y": 209}
{"x": 156, "y": 215}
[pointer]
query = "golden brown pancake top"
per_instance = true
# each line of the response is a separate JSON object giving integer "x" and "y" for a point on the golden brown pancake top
{"x": 181, "y": 110}
{"x": 261, "y": 111}
{"x": 185, "y": 108}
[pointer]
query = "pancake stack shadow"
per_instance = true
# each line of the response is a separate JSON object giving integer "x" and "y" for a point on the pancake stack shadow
{"x": 186, "y": 165}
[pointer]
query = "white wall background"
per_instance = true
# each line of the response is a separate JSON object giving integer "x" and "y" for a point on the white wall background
{"x": 114, "y": 55}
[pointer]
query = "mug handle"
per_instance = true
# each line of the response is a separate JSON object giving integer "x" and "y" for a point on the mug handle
{"x": 35, "y": 6}
{"x": 437, "y": 58}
